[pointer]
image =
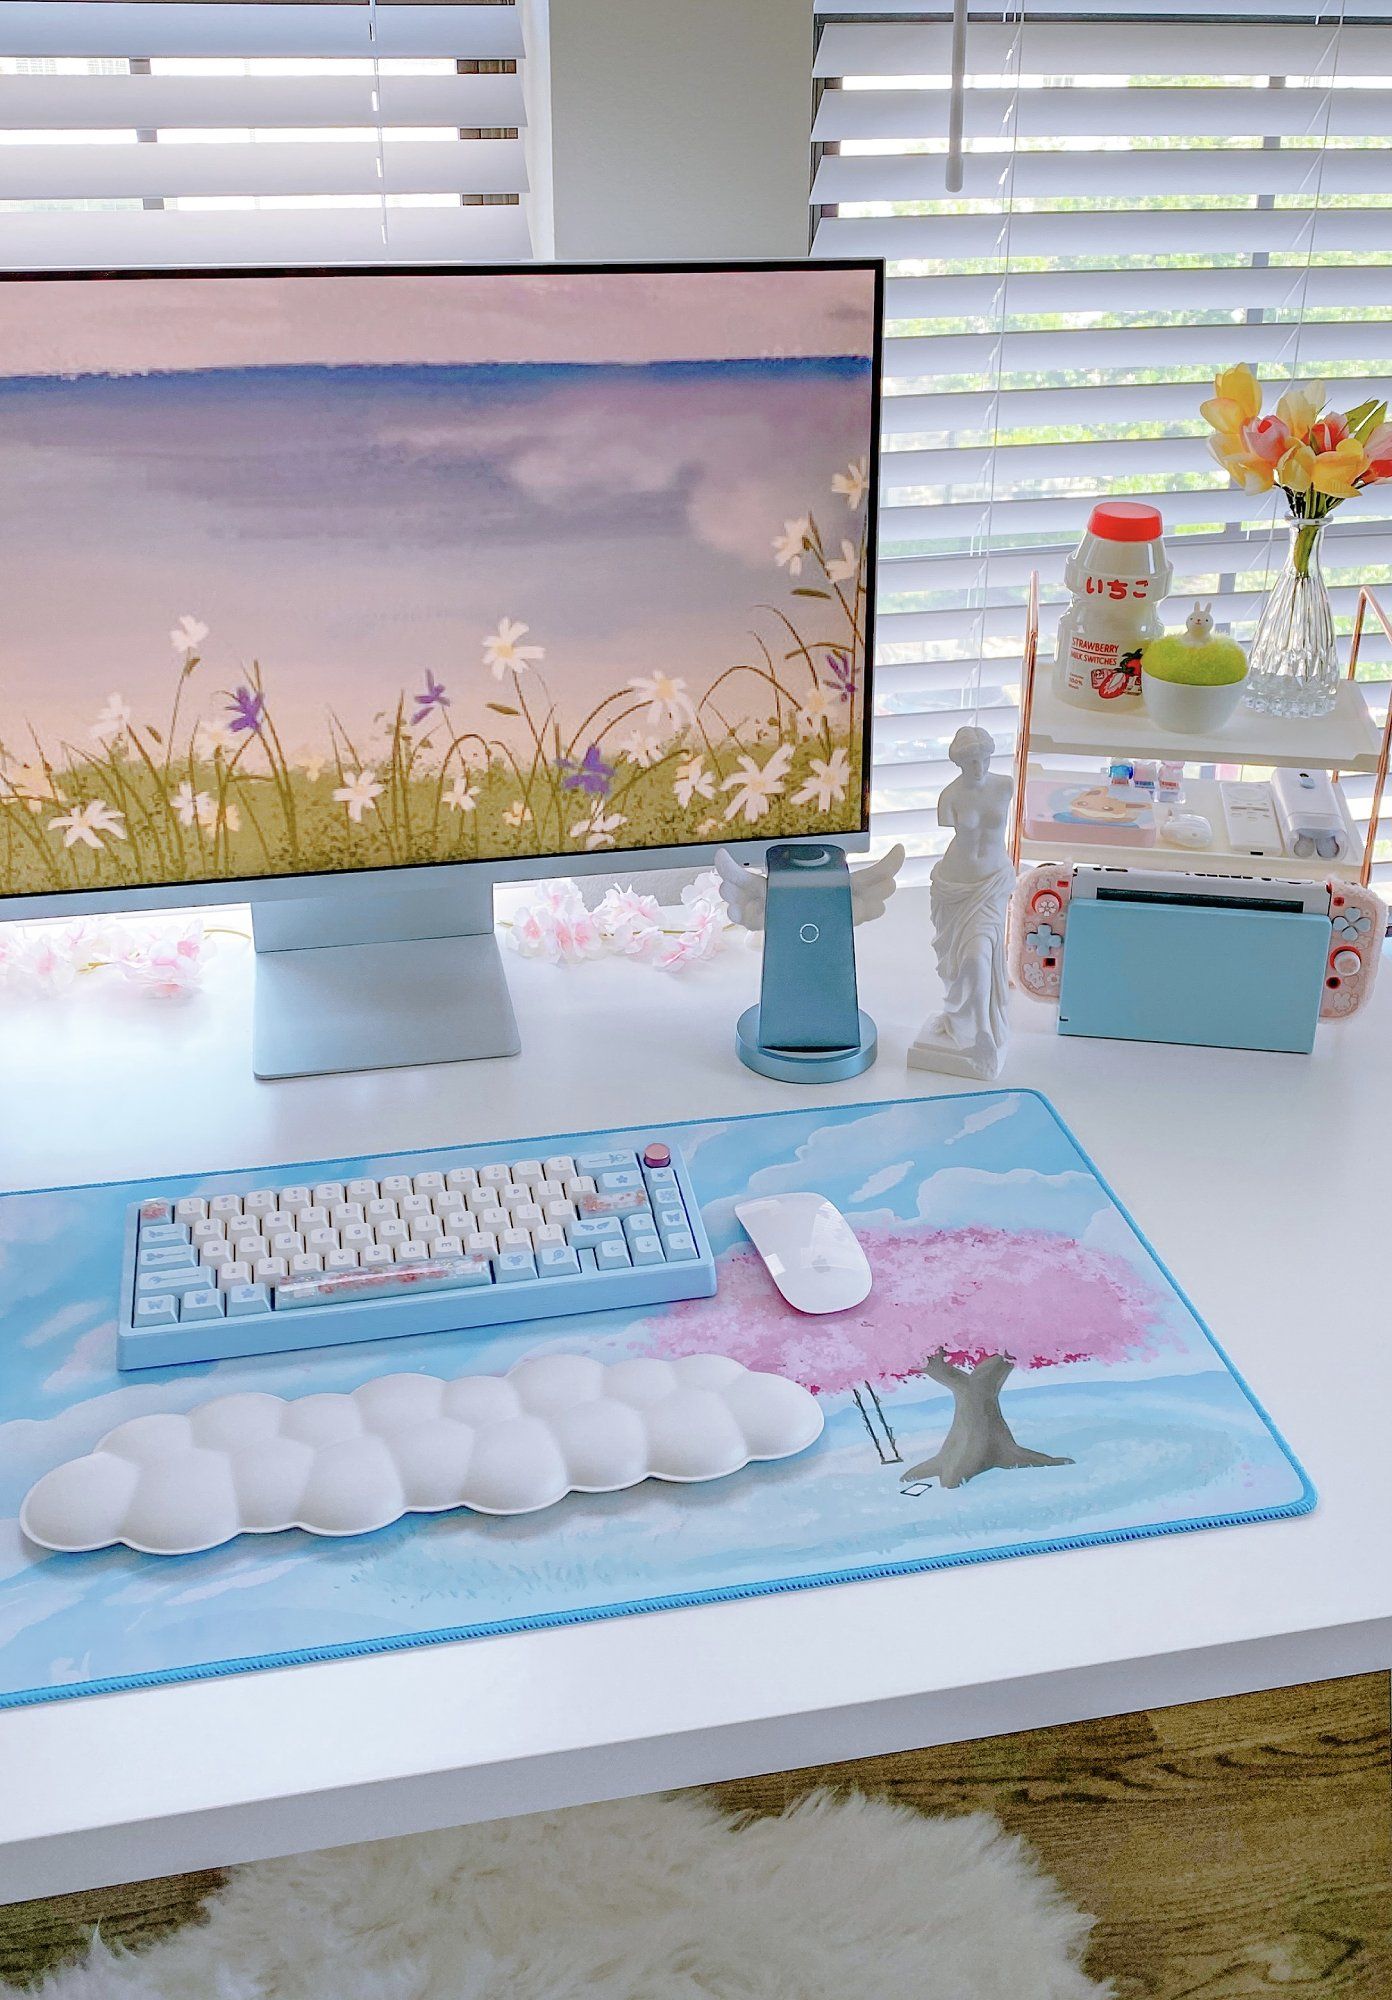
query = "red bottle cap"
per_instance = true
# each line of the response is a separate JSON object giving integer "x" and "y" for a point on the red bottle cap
{"x": 1125, "y": 521}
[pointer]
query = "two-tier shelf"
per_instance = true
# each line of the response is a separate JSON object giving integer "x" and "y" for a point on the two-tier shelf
{"x": 1345, "y": 742}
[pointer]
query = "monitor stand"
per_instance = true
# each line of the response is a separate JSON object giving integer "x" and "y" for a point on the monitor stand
{"x": 376, "y": 979}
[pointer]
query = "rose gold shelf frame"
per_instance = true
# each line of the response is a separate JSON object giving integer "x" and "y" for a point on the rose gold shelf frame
{"x": 1366, "y": 602}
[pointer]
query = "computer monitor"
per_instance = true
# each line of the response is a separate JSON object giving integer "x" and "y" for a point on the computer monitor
{"x": 351, "y": 592}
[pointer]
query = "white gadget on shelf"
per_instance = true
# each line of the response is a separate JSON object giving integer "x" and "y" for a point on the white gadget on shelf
{"x": 1222, "y": 961}
{"x": 810, "y": 1249}
{"x": 255, "y": 1464}
{"x": 1309, "y": 815}
{"x": 1251, "y": 819}
{"x": 1186, "y": 829}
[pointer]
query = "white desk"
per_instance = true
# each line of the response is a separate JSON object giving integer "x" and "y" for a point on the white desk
{"x": 1260, "y": 1179}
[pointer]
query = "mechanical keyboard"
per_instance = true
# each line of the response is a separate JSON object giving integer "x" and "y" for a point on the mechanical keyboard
{"x": 429, "y": 1248}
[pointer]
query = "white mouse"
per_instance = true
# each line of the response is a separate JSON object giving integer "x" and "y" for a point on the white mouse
{"x": 1187, "y": 829}
{"x": 810, "y": 1250}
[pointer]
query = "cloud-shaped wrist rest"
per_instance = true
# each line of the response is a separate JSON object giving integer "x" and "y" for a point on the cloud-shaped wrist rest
{"x": 346, "y": 1464}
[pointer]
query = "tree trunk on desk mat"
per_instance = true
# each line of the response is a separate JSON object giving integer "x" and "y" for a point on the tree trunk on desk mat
{"x": 979, "y": 1438}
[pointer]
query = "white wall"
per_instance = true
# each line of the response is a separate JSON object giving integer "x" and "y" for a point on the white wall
{"x": 679, "y": 128}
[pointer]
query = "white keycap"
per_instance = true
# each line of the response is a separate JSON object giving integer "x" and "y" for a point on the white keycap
{"x": 527, "y": 1173}
{"x": 577, "y": 1185}
{"x": 376, "y": 1257}
{"x": 560, "y": 1211}
{"x": 460, "y": 1179}
{"x": 341, "y": 1260}
{"x": 449, "y": 1201}
{"x": 287, "y": 1243}
{"x": 306, "y": 1265}
{"x": 549, "y": 1232}
{"x": 209, "y": 1230}
{"x": 528, "y": 1216}
{"x": 489, "y": 1221}
{"x": 480, "y": 1244}
{"x": 344, "y": 1212}
{"x": 413, "y": 1205}
{"x": 270, "y": 1270}
{"x": 236, "y": 1273}
{"x": 295, "y": 1198}
{"x": 225, "y": 1206}
{"x": 326, "y": 1193}
{"x": 394, "y": 1232}
{"x": 276, "y": 1218}
{"x": 495, "y": 1176}
{"x": 429, "y": 1183}
{"x": 412, "y": 1253}
{"x": 260, "y": 1201}
{"x": 551, "y": 1191}
{"x": 515, "y": 1239}
{"x": 395, "y": 1185}
{"x": 192, "y": 1208}
{"x": 357, "y": 1236}
{"x": 363, "y": 1191}
{"x": 481, "y": 1197}
{"x": 322, "y": 1240}
{"x": 426, "y": 1228}
{"x": 449, "y": 1246}
{"x": 559, "y": 1167}
{"x": 384, "y": 1209}
{"x": 215, "y": 1253}
{"x": 515, "y": 1197}
{"x": 247, "y": 1246}
{"x": 316, "y": 1216}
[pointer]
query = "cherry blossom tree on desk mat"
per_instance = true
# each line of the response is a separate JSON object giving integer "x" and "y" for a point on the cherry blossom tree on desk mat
{"x": 962, "y": 1307}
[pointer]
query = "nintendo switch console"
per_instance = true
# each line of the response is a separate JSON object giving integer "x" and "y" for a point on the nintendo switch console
{"x": 1221, "y": 960}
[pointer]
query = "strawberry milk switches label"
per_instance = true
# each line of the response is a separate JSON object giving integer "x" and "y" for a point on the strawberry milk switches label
{"x": 1118, "y": 575}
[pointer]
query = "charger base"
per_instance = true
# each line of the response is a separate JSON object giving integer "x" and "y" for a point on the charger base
{"x": 804, "y": 1065}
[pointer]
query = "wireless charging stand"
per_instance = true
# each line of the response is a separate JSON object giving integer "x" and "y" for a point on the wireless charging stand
{"x": 808, "y": 1026}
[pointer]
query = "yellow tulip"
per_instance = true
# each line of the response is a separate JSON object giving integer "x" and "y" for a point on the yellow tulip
{"x": 1253, "y": 475}
{"x": 1295, "y": 469}
{"x": 1298, "y": 408}
{"x": 1224, "y": 415}
{"x": 1334, "y": 472}
{"x": 1240, "y": 386}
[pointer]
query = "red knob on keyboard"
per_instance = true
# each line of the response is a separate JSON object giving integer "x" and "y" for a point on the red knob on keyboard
{"x": 657, "y": 1155}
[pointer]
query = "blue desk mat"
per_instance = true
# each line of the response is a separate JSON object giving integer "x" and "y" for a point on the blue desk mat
{"x": 987, "y": 1229}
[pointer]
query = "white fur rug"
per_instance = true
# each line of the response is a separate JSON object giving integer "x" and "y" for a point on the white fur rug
{"x": 650, "y": 1899}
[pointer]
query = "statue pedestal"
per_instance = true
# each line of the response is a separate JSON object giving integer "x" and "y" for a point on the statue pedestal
{"x": 933, "y": 1051}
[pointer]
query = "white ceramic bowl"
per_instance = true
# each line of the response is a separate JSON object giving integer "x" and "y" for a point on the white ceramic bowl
{"x": 1186, "y": 710}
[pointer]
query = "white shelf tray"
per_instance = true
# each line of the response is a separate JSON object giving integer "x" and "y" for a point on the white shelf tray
{"x": 1344, "y": 740}
{"x": 1201, "y": 795}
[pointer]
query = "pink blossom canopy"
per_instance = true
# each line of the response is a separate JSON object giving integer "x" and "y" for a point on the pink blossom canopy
{"x": 1041, "y": 1299}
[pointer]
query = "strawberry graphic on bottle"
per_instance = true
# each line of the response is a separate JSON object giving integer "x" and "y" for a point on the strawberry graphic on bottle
{"x": 1118, "y": 576}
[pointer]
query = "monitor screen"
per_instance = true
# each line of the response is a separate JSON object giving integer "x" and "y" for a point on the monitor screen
{"x": 312, "y": 572}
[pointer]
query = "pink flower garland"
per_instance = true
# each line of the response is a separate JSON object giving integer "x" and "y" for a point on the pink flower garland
{"x": 556, "y": 926}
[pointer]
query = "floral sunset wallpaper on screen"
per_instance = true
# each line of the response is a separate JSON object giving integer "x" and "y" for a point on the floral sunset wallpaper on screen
{"x": 342, "y": 571}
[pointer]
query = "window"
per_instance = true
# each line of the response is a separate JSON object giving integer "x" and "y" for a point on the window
{"x": 1147, "y": 195}
{"x": 216, "y": 133}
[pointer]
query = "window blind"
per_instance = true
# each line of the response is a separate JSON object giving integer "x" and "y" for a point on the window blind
{"x": 1147, "y": 195}
{"x": 211, "y": 132}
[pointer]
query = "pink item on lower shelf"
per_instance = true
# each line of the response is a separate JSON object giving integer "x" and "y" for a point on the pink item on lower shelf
{"x": 1086, "y": 812}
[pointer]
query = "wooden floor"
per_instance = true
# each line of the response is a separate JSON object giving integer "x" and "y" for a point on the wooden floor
{"x": 1230, "y": 1850}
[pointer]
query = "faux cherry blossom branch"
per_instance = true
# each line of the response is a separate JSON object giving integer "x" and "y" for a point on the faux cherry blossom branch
{"x": 555, "y": 925}
{"x": 166, "y": 960}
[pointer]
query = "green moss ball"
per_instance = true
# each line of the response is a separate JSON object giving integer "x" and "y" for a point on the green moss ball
{"x": 1217, "y": 663}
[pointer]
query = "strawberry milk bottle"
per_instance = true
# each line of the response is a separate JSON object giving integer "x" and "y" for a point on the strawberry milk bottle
{"x": 1118, "y": 575}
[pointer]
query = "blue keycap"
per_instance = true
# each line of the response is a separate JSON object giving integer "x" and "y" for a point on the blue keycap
{"x": 192, "y": 1279}
{"x": 646, "y": 1250}
{"x": 638, "y": 1225}
{"x": 600, "y": 1163}
{"x": 670, "y": 1218}
{"x": 243, "y": 1300}
{"x": 512, "y": 1265}
{"x": 612, "y": 1254}
{"x": 161, "y": 1309}
{"x": 587, "y": 1262}
{"x": 553, "y": 1260}
{"x": 662, "y": 1177}
{"x": 594, "y": 1229}
{"x": 204, "y": 1304}
{"x": 680, "y": 1245}
{"x": 168, "y": 1257}
{"x": 157, "y": 1235}
{"x": 619, "y": 1180}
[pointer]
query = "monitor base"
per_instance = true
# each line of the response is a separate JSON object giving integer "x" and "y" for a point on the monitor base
{"x": 377, "y": 987}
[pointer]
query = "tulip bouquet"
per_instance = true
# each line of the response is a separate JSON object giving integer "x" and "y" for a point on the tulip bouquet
{"x": 1319, "y": 457}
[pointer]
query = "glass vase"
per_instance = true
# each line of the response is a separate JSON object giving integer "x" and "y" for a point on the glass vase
{"x": 1294, "y": 666}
